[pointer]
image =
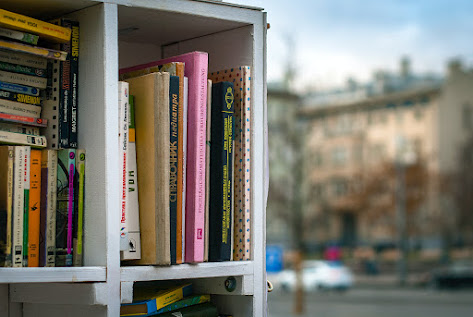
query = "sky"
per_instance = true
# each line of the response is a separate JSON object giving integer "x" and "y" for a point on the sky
{"x": 333, "y": 40}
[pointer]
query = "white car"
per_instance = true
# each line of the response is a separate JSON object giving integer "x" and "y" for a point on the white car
{"x": 318, "y": 275}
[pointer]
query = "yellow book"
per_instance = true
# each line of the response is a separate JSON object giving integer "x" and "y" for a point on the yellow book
{"x": 34, "y": 208}
{"x": 45, "y": 30}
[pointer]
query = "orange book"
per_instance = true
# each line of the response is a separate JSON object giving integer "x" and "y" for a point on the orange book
{"x": 34, "y": 209}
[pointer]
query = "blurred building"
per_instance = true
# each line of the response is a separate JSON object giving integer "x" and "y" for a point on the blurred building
{"x": 354, "y": 140}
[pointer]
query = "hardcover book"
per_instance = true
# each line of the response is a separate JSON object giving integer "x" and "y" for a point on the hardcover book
{"x": 151, "y": 97}
{"x": 241, "y": 78}
{"x": 24, "y": 23}
{"x": 196, "y": 69}
{"x": 34, "y": 209}
{"x": 221, "y": 165}
{"x": 133, "y": 220}
{"x": 148, "y": 300}
{"x": 78, "y": 224}
{"x": 6, "y": 204}
{"x": 65, "y": 206}
{"x": 47, "y": 252}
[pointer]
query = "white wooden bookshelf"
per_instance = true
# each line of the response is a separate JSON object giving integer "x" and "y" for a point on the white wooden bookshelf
{"x": 122, "y": 33}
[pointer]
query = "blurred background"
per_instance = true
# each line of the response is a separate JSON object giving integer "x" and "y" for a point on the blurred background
{"x": 370, "y": 114}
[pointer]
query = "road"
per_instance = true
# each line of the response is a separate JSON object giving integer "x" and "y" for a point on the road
{"x": 373, "y": 302}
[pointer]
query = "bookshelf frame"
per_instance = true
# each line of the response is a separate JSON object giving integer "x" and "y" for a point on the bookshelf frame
{"x": 98, "y": 288}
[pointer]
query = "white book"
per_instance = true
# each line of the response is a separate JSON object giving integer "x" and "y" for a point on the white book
{"x": 21, "y": 79}
{"x": 18, "y": 205}
{"x": 23, "y": 59}
{"x": 184, "y": 163}
{"x": 133, "y": 209}
{"x": 36, "y": 141}
{"x": 19, "y": 109}
{"x": 18, "y": 128}
{"x": 123, "y": 146}
{"x": 19, "y": 36}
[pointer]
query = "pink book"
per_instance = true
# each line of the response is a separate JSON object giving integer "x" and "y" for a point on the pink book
{"x": 196, "y": 69}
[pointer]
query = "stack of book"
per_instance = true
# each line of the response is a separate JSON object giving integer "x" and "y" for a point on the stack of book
{"x": 185, "y": 162}
{"x": 42, "y": 191}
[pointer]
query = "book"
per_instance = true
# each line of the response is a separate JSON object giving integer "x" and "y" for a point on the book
{"x": 201, "y": 310}
{"x": 241, "y": 78}
{"x": 173, "y": 164}
{"x": 73, "y": 128}
{"x": 25, "y": 70}
{"x": 36, "y": 122}
{"x": 174, "y": 69}
{"x": 26, "y": 204}
{"x": 184, "y": 163}
{"x": 19, "y": 88}
{"x": 185, "y": 302}
{"x": 133, "y": 220}
{"x": 65, "y": 206}
{"x": 34, "y": 208}
{"x": 18, "y": 128}
{"x": 123, "y": 92}
{"x": 18, "y": 205}
{"x": 12, "y": 96}
{"x": 36, "y": 141}
{"x": 207, "y": 169}
{"x": 221, "y": 165}
{"x": 35, "y": 50}
{"x": 150, "y": 299}
{"x": 196, "y": 69}
{"x": 21, "y": 79}
{"x": 47, "y": 242}
{"x": 24, "y": 23}
{"x": 23, "y": 59}
{"x": 19, "y": 36}
{"x": 151, "y": 96}
{"x": 18, "y": 108}
{"x": 78, "y": 223}
{"x": 6, "y": 203}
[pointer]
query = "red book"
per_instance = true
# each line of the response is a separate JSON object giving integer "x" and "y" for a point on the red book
{"x": 196, "y": 69}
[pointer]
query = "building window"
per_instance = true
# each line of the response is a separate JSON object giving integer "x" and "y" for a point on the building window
{"x": 467, "y": 117}
{"x": 339, "y": 187}
{"x": 339, "y": 156}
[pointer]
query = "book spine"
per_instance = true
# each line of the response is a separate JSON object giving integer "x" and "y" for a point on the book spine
{"x": 19, "y": 88}
{"x": 63, "y": 207}
{"x": 43, "y": 208}
{"x": 23, "y": 59}
{"x": 133, "y": 220}
{"x": 180, "y": 169}
{"x": 185, "y": 302}
{"x": 19, "y": 36}
{"x": 18, "y": 108}
{"x": 35, "y": 50}
{"x": 21, "y": 79}
{"x": 221, "y": 164}
{"x": 34, "y": 209}
{"x": 79, "y": 208}
{"x": 195, "y": 201}
{"x": 26, "y": 205}
{"x": 74, "y": 98}
{"x": 27, "y": 24}
{"x": 18, "y": 128}
{"x": 9, "y": 206}
{"x": 18, "y": 206}
{"x": 184, "y": 163}
{"x": 25, "y": 70}
{"x": 49, "y": 197}
{"x": 173, "y": 159}
{"x": 8, "y": 95}
{"x": 37, "y": 122}
{"x": 207, "y": 169}
{"x": 70, "y": 206}
{"x": 123, "y": 137}
{"x": 37, "y": 141}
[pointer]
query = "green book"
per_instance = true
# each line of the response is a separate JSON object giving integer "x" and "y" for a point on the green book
{"x": 201, "y": 310}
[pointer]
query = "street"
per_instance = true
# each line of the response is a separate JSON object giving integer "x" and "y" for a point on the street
{"x": 373, "y": 302}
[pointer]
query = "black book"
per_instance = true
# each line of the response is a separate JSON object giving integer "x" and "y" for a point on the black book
{"x": 221, "y": 170}
{"x": 173, "y": 159}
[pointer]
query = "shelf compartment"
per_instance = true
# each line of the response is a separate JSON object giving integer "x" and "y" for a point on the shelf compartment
{"x": 186, "y": 271}
{"x": 52, "y": 274}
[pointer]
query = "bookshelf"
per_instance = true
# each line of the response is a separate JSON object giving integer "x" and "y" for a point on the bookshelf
{"x": 121, "y": 33}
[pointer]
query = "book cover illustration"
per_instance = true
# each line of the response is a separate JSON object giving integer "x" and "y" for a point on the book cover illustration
{"x": 241, "y": 78}
{"x": 221, "y": 165}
